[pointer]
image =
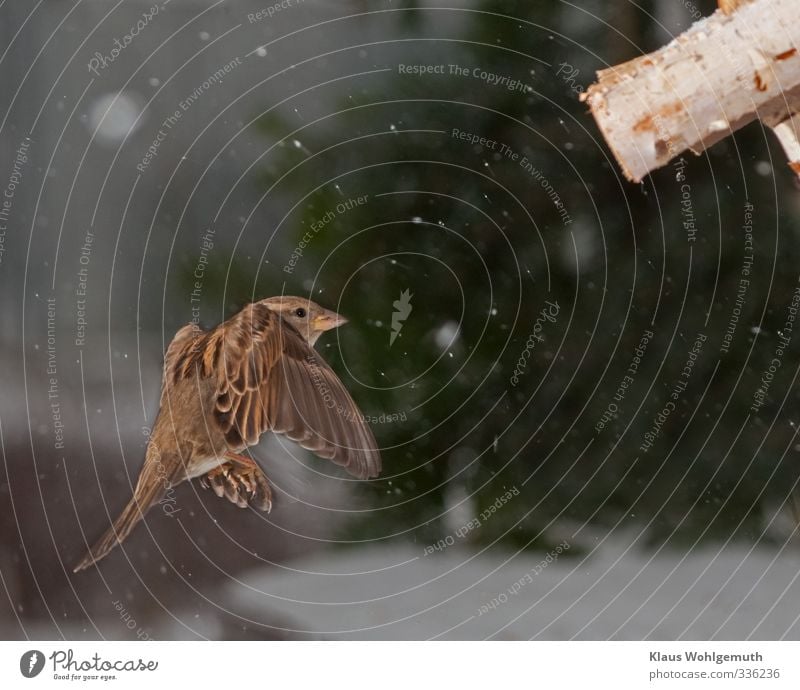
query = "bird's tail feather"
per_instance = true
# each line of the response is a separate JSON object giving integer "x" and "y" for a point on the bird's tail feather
{"x": 149, "y": 489}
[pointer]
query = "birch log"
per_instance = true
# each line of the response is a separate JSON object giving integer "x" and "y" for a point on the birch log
{"x": 721, "y": 74}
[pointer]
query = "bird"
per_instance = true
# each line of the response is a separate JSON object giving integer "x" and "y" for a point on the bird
{"x": 223, "y": 388}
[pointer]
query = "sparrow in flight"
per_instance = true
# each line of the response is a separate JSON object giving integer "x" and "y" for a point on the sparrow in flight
{"x": 256, "y": 372}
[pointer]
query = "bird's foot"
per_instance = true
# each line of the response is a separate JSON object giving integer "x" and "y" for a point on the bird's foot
{"x": 242, "y": 483}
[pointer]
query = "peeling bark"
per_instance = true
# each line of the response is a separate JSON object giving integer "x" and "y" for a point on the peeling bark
{"x": 787, "y": 133}
{"x": 721, "y": 74}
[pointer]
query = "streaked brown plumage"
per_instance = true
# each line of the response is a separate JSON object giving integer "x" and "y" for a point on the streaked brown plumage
{"x": 256, "y": 372}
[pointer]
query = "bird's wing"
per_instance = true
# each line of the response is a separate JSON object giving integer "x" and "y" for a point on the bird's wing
{"x": 270, "y": 379}
{"x": 178, "y": 351}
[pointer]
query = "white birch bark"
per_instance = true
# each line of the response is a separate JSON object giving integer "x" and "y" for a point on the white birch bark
{"x": 721, "y": 74}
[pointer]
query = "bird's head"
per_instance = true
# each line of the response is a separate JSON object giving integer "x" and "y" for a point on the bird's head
{"x": 308, "y": 318}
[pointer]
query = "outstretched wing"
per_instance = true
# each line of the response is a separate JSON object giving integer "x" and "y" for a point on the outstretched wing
{"x": 179, "y": 350}
{"x": 270, "y": 379}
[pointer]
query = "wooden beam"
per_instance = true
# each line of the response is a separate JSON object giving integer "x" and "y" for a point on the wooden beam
{"x": 721, "y": 74}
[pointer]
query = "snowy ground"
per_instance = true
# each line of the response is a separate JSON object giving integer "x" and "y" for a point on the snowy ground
{"x": 392, "y": 592}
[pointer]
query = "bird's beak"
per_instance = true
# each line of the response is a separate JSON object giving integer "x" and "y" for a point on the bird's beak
{"x": 328, "y": 320}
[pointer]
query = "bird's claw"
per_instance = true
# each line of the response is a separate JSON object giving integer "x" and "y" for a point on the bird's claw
{"x": 243, "y": 487}
{"x": 258, "y": 490}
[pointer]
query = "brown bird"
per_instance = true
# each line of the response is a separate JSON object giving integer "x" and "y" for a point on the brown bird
{"x": 256, "y": 372}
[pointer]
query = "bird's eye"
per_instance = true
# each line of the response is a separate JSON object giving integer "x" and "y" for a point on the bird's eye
{"x": 300, "y": 312}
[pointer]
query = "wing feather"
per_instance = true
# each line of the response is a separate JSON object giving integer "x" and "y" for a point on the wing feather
{"x": 179, "y": 352}
{"x": 270, "y": 379}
